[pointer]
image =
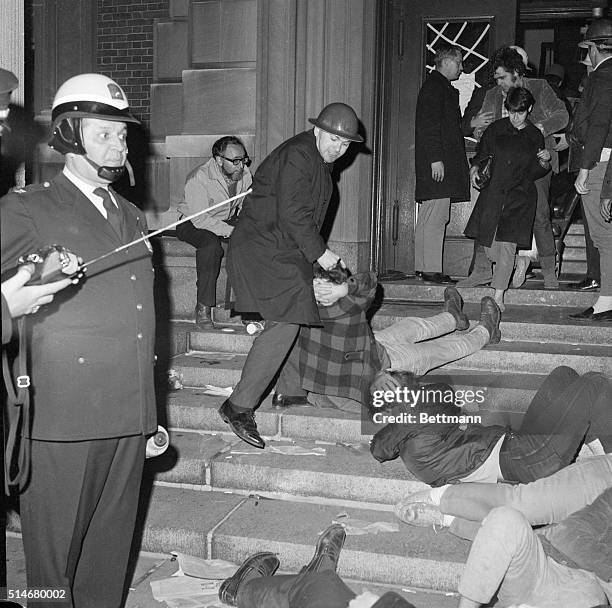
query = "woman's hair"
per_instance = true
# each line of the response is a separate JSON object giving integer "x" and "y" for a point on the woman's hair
{"x": 336, "y": 275}
{"x": 519, "y": 99}
{"x": 509, "y": 60}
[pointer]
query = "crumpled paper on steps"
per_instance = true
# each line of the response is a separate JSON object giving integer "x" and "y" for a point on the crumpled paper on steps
{"x": 196, "y": 583}
{"x": 288, "y": 449}
{"x": 220, "y": 391}
{"x": 358, "y": 527}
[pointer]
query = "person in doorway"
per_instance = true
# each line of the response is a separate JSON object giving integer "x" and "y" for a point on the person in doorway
{"x": 272, "y": 250}
{"x": 590, "y": 149}
{"x": 223, "y": 176}
{"x": 91, "y": 355}
{"x": 503, "y": 215}
{"x": 549, "y": 115}
{"x": 440, "y": 162}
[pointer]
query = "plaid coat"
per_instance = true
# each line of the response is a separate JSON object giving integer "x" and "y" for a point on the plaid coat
{"x": 340, "y": 358}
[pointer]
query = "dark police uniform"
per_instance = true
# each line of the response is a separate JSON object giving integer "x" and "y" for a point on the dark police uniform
{"x": 93, "y": 402}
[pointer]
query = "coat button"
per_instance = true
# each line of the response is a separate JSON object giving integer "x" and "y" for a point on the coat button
{"x": 139, "y": 336}
{"x": 81, "y": 360}
{"x": 138, "y": 306}
{"x": 133, "y": 277}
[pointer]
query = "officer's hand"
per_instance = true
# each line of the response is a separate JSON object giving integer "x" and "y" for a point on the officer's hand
{"x": 22, "y": 299}
{"x": 606, "y": 209}
{"x": 437, "y": 171}
{"x": 329, "y": 259}
{"x": 383, "y": 381}
{"x": 473, "y": 174}
{"x": 581, "y": 181}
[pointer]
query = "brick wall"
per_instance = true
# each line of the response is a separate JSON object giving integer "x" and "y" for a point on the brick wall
{"x": 125, "y": 47}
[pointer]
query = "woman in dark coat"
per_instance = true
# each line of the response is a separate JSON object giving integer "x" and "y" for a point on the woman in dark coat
{"x": 504, "y": 212}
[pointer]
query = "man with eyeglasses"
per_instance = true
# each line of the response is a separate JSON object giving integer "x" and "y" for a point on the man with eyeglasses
{"x": 223, "y": 176}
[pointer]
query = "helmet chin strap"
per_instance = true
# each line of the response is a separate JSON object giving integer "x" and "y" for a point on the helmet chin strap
{"x": 112, "y": 174}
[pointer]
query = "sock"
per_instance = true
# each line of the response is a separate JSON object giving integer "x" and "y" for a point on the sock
{"x": 436, "y": 494}
{"x": 603, "y": 303}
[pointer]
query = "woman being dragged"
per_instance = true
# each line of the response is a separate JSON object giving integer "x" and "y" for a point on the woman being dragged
{"x": 503, "y": 216}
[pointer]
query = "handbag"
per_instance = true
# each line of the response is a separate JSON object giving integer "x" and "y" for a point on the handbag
{"x": 485, "y": 170}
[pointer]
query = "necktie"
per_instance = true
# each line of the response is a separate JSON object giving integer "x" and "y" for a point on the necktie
{"x": 113, "y": 213}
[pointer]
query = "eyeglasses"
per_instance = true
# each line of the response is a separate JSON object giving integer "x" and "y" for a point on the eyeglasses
{"x": 245, "y": 160}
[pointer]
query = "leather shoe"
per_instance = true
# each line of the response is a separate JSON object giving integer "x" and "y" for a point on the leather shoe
{"x": 585, "y": 285}
{"x": 453, "y": 303}
{"x": 490, "y": 316}
{"x": 437, "y": 277}
{"x": 280, "y": 400}
{"x": 606, "y": 315}
{"x": 328, "y": 549}
{"x": 392, "y": 600}
{"x": 242, "y": 423}
{"x": 585, "y": 314}
{"x": 203, "y": 317}
{"x": 256, "y": 566}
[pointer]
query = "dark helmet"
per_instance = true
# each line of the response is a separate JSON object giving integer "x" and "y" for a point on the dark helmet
{"x": 599, "y": 33}
{"x": 339, "y": 119}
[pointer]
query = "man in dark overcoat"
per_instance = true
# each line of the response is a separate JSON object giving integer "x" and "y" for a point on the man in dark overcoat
{"x": 590, "y": 150}
{"x": 272, "y": 250}
{"x": 92, "y": 355}
{"x": 440, "y": 161}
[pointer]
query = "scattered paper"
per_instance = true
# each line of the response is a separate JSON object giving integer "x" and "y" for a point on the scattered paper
{"x": 210, "y": 389}
{"x": 187, "y": 592}
{"x": 358, "y": 527}
{"x": 217, "y": 569}
{"x": 287, "y": 450}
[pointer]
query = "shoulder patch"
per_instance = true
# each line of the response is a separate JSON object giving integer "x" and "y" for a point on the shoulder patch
{"x": 30, "y": 188}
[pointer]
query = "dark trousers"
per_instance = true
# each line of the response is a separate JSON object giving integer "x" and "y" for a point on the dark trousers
{"x": 78, "y": 514}
{"x": 290, "y": 379}
{"x": 592, "y": 253}
{"x": 567, "y": 410}
{"x": 542, "y": 227}
{"x": 311, "y": 590}
{"x": 209, "y": 254}
{"x": 267, "y": 355}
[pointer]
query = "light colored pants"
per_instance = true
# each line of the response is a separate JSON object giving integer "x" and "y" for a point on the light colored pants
{"x": 544, "y": 501}
{"x": 404, "y": 342}
{"x": 502, "y": 254}
{"x": 600, "y": 230}
{"x": 507, "y": 557}
{"x": 429, "y": 232}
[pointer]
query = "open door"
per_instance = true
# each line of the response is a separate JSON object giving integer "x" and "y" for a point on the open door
{"x": 409, "y": 30}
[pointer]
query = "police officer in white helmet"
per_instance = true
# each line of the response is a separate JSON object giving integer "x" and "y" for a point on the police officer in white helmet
{"x": 91, "y": 354}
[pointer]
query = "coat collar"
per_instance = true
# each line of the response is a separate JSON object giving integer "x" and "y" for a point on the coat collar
{"x": 68, "y": 195}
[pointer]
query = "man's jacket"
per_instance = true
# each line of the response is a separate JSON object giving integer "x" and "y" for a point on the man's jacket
{"x": 205, "y": 186}
{"x": 591, "y": 125}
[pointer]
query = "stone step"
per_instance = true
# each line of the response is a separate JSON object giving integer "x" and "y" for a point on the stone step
{"x": 574, "y": 252}
{"x": 504, "y": 399}
{"x": 223, "y": 369}
{"x": 573, "y": 267}
{"x": 576, "y": 228}
{"x": 232, "y": 527}
{"x": 337, "y": 472}
{"x": 532, "y": 293}
{"x": 534, "y": 323}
